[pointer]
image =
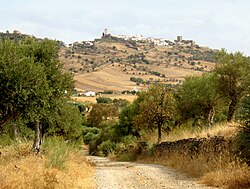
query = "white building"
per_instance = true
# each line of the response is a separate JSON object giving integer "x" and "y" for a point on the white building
{"x": 156, "y": 41}
{"x": 89, "y": 93}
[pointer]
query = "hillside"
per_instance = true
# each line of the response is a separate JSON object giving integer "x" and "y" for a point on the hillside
{"x": 122, "y": 63}
{"x": 117, "y": 64}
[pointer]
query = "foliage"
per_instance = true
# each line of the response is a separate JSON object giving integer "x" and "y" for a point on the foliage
{"x": 156, "y": 109}
{"x": 196, "y": 98}
{"x": 104, "y": 100}
{"x": 34, "y": 87}
{"x": 23, "y": 83}
{"x": 232, "y": 70}
{"x": 89, "y": 137}
{"x": 81, "y": 107}
{"x": 155, "y": 73}
{"x": 101, "y": 112}
{"x": 57, "y": 152}
{"x": 66, "y": 122}
{"x": 5, "y": 140}
{"x": 243, "y": 137}
{"x": 106, "y": 147}
{"x": 108, "y": 92}
{"x": 90, "y": 134}
{"x": 209, "y": 56}
{"x": 137, "y": 80}
{"x": 126, "y": 121}
{"x": 120, "y": 103}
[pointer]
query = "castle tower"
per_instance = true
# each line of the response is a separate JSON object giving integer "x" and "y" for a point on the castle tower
{"x": 105, "y": 31}
{"x": 179, "y": 38}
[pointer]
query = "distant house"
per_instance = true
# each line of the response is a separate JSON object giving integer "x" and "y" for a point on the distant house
{"x": 89, "y": 93}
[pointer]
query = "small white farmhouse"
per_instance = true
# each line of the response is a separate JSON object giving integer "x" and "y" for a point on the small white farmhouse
{"x": 89, "y": 93}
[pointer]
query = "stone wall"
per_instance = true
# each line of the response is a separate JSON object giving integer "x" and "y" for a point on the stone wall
{"x": 194, "y": 146}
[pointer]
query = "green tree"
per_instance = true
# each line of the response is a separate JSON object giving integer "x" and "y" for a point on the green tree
{"x": 33, "y": 84}
{"x": 156, "y": 108}
{"x": 243, "y": 137}
{"x": 66, "y": 121}
{"x": 104, "y": 100}
{"x": 101, "y": 112}
{"x": 126, "y": 124}
{"x": 232, "y": 70}
{"x": 21, "y": 81}
{"x": 197, "y": 97}
{"x": 127, "y": 117}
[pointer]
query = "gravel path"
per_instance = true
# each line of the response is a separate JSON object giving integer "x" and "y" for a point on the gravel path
{"x": 126, "y": 175}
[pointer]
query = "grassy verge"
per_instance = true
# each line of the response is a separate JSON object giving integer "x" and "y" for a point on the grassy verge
{"x": 59, "y": 166}
{"x": 217, "y": 169}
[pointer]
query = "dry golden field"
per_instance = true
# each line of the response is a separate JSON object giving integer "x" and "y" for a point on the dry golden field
{"x": 109, "y": 65}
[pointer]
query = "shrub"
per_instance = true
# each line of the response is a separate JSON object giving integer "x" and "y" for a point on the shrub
{"x": 57, "y": 152}
{"x": 93, "y": 130}
{"x": 104, "y": 100}
{"x": 108, "y": 92}
{"x": 106, "y": 147}
{"x": 89, "y": 137}
{"x": 243, "y": 137}
{"x": 5, "y": 140}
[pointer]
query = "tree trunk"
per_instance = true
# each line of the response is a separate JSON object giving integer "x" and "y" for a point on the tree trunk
{"x": 16, "y": 131}
{"x": 159, "y": 133}
{"x": 38, "y": 138}
{"x": 210, "y": 117}
{"x": 232, "y": 108}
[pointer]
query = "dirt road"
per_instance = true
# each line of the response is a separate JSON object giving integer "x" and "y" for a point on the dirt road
{"x": 125, "y": 175}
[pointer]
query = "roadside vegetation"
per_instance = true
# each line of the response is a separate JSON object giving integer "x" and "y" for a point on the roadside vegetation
{"x": 40, "y": 130}
{"x": 213, "y": 109}
{"x": 59, "y": 165}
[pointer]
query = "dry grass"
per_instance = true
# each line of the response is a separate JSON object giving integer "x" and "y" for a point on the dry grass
{"x": 234, "y": 176}
{"x": 218, "y": 171}
{"x": 106, "y": 78}
{"x": 21, "y": 169}
{"x": 224, "y": 129}
{"x": 212, "y": 169}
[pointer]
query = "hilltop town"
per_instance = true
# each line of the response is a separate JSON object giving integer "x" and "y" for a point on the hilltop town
{"x": 123, "y": 63}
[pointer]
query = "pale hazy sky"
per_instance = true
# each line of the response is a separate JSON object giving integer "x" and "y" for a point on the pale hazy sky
{"x": 214, "y": 23}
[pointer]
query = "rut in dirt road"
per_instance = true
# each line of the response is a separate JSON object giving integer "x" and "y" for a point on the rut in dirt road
{"x": 126, "y": 175}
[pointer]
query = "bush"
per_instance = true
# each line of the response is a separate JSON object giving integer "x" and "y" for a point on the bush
{"x": 104, "y": 100}
{"x": 106, "y": 147}
{"x": 94, "y": 130}
{"x": 127, "y": 149}
{"x": 89, "y": 137}
{"x": 243, "y": 137}
{"x": 90, "y": 134}
{"x": 5, "y": 140}
{"x": 108, "y": 92}
{"x": 57, "y": 152}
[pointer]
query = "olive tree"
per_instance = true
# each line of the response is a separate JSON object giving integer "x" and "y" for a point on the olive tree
{"x": 33, "y": 83}
{"x": 156, "y": 108}
{"x": 232, "y": 69}
{"x": 197, "y": 97}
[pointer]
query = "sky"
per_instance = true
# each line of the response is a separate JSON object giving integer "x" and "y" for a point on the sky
{"x": 213, "y": 23}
